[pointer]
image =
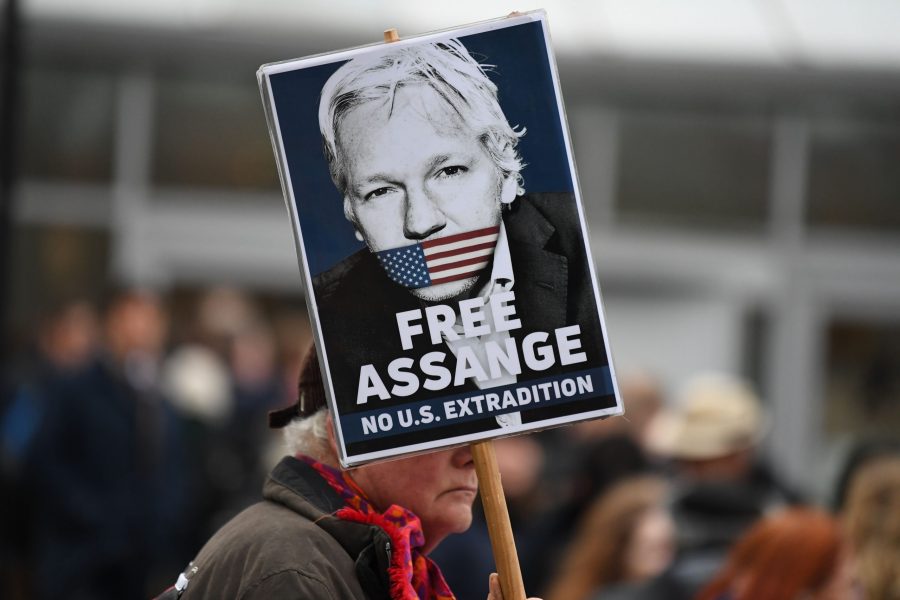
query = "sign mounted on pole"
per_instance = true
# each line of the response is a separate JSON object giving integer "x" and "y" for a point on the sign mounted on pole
{"x": 440, "y": 232}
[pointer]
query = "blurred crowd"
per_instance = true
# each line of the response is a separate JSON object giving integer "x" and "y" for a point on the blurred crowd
{"x": 677, "y": 501}
{"x": 129, "y": 435}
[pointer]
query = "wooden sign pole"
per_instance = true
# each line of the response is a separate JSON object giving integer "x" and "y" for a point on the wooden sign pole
{"x": 497, "y": 516}
{"x": 495, "y": 512}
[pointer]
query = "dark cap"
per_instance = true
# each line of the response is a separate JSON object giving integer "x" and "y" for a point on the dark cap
{"x": 311, "y": 393}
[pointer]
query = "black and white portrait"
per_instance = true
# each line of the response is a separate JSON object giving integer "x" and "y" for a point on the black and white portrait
{"x": 471, "y": 299}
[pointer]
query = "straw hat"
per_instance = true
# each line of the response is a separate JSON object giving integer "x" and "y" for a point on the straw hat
{"x": 716, "y": 415}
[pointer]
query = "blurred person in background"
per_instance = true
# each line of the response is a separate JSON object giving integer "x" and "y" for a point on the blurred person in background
{"x": 199, "y": 386}
{"x": 221, "y": 313}
{"x": 65, "y": 344}
{"x": 230, "y": 365}
{"x": 68, "y": 336}
{"x": 222, "y": 379}
{"x": 293, "y": 334}
{"x": 642, "y": 396}
{"x": 583, "y": 461}
{"x": 796, "y": 553}
{"x": 107, "y": 481}
{"x": 626, "y": 536}
{"x": 254, "y": 366}
{"x": 861, "y": 452}
{"x": 720, "y": 485}
{"x": 872, "y": 520}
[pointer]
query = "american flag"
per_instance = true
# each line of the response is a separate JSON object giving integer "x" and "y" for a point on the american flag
{"x": 440, "y": 260}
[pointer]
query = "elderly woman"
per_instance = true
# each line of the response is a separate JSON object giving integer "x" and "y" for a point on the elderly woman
{"x": 323, "y": 532}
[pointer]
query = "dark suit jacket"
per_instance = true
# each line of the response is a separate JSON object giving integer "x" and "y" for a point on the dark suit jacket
{"x": 357, "y": 304}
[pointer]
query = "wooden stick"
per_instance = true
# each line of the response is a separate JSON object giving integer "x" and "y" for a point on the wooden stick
{"x": 497, "y": 516}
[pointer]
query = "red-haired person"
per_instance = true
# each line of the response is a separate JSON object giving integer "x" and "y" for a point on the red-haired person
{"x": 797, "y": 553}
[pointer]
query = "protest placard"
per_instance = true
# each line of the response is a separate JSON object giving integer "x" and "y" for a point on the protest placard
{"x": 441, "y": 238}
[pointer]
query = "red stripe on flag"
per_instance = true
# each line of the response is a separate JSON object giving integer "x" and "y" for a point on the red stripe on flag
{"x": 458, "y": 264}
{"x": 463, "y": 250}
{"x": 460, "y": 236}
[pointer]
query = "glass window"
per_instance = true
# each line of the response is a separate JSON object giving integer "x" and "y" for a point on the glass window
{"x": 212, "y": 134}
{"x": 854, "y": 179}
{"x": 862, "y": 385}
{"x": 693, "y": 168}
{"x": 53, "y": 264}
{"x": 68, "y": 125}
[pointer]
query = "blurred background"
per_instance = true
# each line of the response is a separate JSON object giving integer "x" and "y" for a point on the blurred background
{"x": 740, "y": 168}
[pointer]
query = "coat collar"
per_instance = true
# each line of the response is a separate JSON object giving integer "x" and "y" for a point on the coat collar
{"x": 297, "y": 486}
{"x": 543, "y": 275}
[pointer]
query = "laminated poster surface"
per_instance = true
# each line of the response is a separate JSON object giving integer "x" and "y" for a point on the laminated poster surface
{"x": 441, "y": 238}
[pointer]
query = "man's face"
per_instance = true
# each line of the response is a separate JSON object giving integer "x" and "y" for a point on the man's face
{"x": 415, "y": 172}
{"x": 438, "y": 487}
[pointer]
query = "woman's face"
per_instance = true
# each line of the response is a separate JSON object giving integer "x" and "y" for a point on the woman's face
{"x": 652, "y": 546}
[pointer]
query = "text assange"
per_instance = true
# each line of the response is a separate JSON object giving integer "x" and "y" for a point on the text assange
{"x": 500, "y": 357}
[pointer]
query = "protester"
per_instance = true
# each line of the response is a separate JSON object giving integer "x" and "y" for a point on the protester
{"x": 68, "y": 336}
{"x": 872, "y": 519}
{"x": 584, "y": 461}
{"x": 66, "y": 342}
{"x": 643, "y": 398}
{"x": 325, "y": 532}
{"x": 797, "y": 553}
{"x": 721, "y": 486}
{"x": 859, "y": 454}
{"x": 108, "y": 488}
{"x": 199, "y": 385}
{"x": 256, "y": 389}
{"x": 627, "y": 536}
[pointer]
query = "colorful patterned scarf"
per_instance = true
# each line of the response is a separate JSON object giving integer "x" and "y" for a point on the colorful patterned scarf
{"x": 413, "y": 575}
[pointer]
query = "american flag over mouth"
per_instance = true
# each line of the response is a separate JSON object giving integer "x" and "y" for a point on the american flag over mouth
{"x": 440, "y": 260}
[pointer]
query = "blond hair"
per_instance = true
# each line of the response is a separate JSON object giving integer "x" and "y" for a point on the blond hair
{"x": 872, "y": 518}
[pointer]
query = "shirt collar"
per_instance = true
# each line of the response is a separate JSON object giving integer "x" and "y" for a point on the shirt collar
{"x": 502, "y": 277}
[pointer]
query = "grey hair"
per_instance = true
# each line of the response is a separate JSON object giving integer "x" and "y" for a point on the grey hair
{"x": 449, "y": 69}
{"x": 309, "y": 436}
